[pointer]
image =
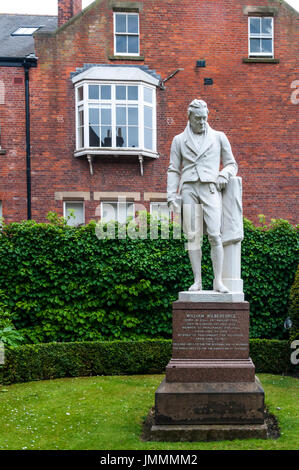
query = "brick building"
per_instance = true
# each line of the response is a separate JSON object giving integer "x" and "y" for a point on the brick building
{"x": 90, "y": 102}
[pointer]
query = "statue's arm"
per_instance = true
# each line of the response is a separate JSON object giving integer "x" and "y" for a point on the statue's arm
{"x": 174, "y": 170}
{"x": 229, "y": 164}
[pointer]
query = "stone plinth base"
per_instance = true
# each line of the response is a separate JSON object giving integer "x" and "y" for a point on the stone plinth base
{"x": 210, "y": 391}
{"x": 210, "y": 370}
{"x": 210, "y": 432}
{"x": 210, "y": 296}
{"x": 209, "y": 403}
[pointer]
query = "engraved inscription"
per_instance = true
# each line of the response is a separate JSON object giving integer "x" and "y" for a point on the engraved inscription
{"x": 210, "y": 332}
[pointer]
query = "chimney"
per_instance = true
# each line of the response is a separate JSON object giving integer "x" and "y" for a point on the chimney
{"x": 67, "y": 9}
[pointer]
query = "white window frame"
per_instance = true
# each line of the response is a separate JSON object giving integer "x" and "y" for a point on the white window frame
{"x": 125, "y": 34}
{"x": 117, "y": 202}
{"x": 84, "y": 105}
{"x": 74, "y": 202}
{"x": 261, "y": 36}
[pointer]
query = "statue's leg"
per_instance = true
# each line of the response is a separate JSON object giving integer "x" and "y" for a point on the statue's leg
{"x": 212, "y": 208}
{"x": 217, "y": 261}
{"x": 192, "y": 225}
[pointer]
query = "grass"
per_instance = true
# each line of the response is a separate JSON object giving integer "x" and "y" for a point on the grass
{"x": 106, "y": 413}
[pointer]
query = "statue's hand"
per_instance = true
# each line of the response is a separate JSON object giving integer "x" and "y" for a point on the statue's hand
{"x": 221, "y": 183}
{"x": 174, "y": 207}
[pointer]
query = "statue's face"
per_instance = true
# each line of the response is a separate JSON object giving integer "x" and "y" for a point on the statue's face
{"x": 198, "y": 119}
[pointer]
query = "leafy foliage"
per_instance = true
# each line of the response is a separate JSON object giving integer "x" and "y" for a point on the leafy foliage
{"x": 8, "y": 334}
{"x": 64, "y": 284}
{"x": 294, "y": 307}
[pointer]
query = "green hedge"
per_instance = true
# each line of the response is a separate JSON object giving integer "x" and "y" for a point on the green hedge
{"x": 64, "y": 284}
{"x": 57, "y": 360}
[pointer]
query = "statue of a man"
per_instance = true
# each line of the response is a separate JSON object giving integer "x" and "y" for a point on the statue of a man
{"x": 196, "y": 156}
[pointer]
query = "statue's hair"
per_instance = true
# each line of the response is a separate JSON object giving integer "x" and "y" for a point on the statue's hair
{"x": 197, "y": 104}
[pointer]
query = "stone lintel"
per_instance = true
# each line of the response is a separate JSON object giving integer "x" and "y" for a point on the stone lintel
{"x": 115, "y": 196}
{"x": 268, "y": 10}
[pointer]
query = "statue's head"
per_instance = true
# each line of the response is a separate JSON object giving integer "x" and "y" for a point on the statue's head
{"x": 198, "y": 115}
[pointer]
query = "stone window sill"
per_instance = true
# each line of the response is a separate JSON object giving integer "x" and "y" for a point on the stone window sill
{"x": 126, "y": 57}
{"x": 262, "y": 60}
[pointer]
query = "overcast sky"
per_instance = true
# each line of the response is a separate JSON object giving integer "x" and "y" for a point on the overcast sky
{"x": 49, "y": 7}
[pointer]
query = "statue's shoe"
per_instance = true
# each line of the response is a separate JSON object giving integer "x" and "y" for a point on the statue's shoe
{"x": 195, "y": 287}
{"x": 220, "y": 287}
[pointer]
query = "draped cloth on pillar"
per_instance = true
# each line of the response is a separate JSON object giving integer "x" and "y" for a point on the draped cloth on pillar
{"x": 232, "y": 215}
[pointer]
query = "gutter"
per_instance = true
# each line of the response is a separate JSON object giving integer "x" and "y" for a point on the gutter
{"x": 27, "y": 63}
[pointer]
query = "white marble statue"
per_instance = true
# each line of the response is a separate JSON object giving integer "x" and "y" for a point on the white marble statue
{"x": 201, "y": 181}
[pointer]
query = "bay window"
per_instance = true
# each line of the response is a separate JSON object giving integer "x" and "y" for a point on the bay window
{"x": 115, "y": 116}
{"x": 115, "y": 112}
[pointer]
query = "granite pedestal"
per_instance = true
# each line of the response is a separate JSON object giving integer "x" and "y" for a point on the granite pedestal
{"x": 210, "y": 379}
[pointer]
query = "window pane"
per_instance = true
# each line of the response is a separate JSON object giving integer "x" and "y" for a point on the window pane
{"x": 255, "y": 46}
{"x": 106, "y": 116}
{"x": 255, "y": 25}
{"x": 121, "y": 136}
{"x": 130, "y": 210}
{"x": 109, "y": 211}
{"x": 81, "y": 137}
{"x": 75, "y": 211}
{"x": 105, "y": 92}
{"x": 148, "y": 138}
{"x": 133, "y": 116}
{"x": 121, "y": 44}
{"x": 81, "y": 118}
{"x": 93, "y": 92}
{"x": 120, "y": 23}
{"x": 132, "y": 24}
{"x": 94, "y": 136}
{"x": 121, "y": 92}
{"x": 94, "y": 116}
{"x": 133, "y": 93}
{"x": 106, "y": 133}
{"x": 148, "y": 95}
{"x": 148, "y": 116}
{"x": 132, "y": 136}
{"x": 121, "y": 117}
{"x": 267, "y": 25}
{"x": 267, "y": 45}
{"x": 80, "y": 93}
{"x": 133, "y": 44}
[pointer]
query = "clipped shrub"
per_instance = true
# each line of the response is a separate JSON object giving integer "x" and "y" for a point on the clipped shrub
{"x": 64, "y": 284}
{"x": 56, "y": 360}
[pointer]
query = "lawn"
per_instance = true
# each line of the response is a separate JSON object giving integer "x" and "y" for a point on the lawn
{"x": 106, "y": 413}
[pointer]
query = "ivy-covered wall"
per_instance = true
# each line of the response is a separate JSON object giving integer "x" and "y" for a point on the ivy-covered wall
{"x": 60, "y": 283}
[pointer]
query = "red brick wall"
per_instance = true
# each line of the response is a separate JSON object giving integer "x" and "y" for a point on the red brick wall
{"x": 13, "y": 163}
{"x": 249, "y": 102}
